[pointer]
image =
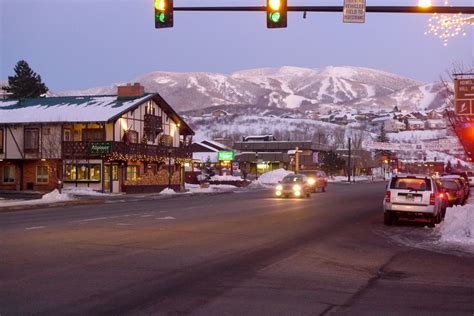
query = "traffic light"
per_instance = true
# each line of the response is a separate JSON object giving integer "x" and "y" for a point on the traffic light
{"x": 163, "y": 13}
{"x": 276, "y": 13}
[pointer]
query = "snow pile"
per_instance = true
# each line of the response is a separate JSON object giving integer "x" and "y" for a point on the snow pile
{"x": 49, "y": 198}
{"x": 458, "y": 226}
{"x": 168, "y": 191}
{"x": 344, "y": 178}
{"x": 226, "y": 178}
{"x": 83, "y": 192}
{"x": 213, "y": 188}
{"x": 273, "y": 177}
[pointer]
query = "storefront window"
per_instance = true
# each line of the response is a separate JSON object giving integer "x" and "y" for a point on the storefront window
{"x": 132, "y": 172}
{"x": 42, "y": 174}
{"x": 94, "y": 173}
{"x": 9, "y": 174}
{"x": 115, "y": 173}
{"x": 83, "y": 172}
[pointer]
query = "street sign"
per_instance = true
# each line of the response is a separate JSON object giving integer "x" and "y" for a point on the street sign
{"x": 354, "y": 11}
{"x": 225, "y": 156}
{"x": 464, "y": 107}
{"x": 464, "y": 94}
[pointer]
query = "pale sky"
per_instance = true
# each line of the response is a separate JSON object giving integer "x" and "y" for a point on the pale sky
{"x": 77, "y": 44}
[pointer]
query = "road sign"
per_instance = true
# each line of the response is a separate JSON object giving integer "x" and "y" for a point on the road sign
{"x": 464, "y": 107}
{"x": 464, "y": 94}
{"x": 354, "y": 11}
{"x": 464, "y": 88}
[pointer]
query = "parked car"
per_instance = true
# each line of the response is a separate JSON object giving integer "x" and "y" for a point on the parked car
{"x": 464, "y": 183}
{"x": 317, "y": 179}
{"x": 444, "y": 197}
{"x": 294, "y": 185}
{"x": 412, "y": 196}
{"x": 454, "y": 190}
{"x": 470, "y": 176}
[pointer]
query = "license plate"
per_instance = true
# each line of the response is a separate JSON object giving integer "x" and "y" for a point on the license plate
{"x": 410, "y": 197}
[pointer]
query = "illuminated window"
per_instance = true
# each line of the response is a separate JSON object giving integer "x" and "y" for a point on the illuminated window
{"x": 114, "y": 172}
{"x": 83, "y": 172}
{"x": 9, "y": 174}
{"x": 94, "y": 173}
{"x": 42, "y": 175}
{"x": 132, "y": 172}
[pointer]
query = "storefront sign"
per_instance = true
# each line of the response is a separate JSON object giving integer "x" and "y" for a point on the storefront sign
{"x": 100, "y": 148}
{"x": 225, "y": 156}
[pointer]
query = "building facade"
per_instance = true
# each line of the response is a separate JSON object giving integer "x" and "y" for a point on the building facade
{"x": 129, "y": 142}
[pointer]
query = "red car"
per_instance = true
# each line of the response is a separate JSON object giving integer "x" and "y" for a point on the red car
{"x": 317, "y": 179}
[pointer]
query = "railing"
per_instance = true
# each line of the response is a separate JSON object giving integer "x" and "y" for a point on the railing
{"x": 86, "y": 150}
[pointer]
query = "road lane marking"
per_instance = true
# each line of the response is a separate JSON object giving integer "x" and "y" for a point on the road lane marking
{"x": 35, "y": 227}
{"x": 90, "y": 220}
{"x": 165, "y": 218}
{"x": 146, "y": 215}
{"x": 123, "y": 224}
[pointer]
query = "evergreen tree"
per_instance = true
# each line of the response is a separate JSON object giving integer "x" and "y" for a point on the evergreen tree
{"x": 449, "y": 167}
{"x": 26, "y": 83}
{"x": 331, "y": 163}
{"x": 383, "y": 139}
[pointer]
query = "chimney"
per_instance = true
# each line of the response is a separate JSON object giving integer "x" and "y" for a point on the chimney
{"x": 135, "y": 90}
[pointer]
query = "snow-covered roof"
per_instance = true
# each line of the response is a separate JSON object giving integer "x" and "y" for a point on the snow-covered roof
{"x": 415, "y": 121}
{"x": 67, "y": 109}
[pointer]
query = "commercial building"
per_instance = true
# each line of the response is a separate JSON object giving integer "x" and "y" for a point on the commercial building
{"x": 129, "y": 142}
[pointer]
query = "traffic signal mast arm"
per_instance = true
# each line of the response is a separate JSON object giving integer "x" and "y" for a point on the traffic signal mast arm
{"x": 369, "y": 9}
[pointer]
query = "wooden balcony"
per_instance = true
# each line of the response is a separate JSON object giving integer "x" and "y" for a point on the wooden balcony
{"x": 94, "y": 150}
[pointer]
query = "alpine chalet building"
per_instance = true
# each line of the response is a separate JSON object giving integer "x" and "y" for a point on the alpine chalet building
{"x": 130, "y": 142}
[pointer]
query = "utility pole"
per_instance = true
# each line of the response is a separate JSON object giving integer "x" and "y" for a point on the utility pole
{"x": 297, "y": 158}
{"x": 256, "y": 165}
{"x": 349, "y": 170}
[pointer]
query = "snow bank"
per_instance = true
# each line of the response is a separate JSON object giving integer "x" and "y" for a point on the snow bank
{"x": 273, "y": 177}
{"x": 168, "y": 191}
{"x": 458, "y": 226}
{"x": 52, "y": 197}
{"x": 84, "y": 192}
{"x": 226, "y": 178}
{"x": 213, "y": 188}
{"x": 344, "y": 178}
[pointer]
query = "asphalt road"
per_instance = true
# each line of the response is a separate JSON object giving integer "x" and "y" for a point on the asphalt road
{"x": 231, "y": 254}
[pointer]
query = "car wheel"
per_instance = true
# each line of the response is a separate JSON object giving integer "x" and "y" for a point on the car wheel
{"x": 438, "y": 218}
{"x": 432, "y": 222}
{"x": 444, "y": 214}
{"x": 387, "y": 219}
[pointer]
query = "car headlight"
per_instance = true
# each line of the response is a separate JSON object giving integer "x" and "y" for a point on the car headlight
{"x": 279, "y": 187}
{"x": 311, "y": 181}
{"x": 296, "y": 187}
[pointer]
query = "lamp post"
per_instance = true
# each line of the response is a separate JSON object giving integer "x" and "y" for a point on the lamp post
{"x": 256, "y": 166}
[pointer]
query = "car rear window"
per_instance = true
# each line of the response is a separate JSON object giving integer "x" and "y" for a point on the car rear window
{"x": 417, "y": 184}
{"x": 292, "y": 179}
{"x": 450, "y": 184}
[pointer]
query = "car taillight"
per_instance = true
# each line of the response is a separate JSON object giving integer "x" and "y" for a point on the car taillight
{"x": 387, "y": 197}
{"x": 432, "y": 199}
{"x": 441, "y": 195}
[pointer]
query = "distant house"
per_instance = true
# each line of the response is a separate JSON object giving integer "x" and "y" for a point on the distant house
{"x": 420, "y": 115}
{"x": 414, "y": 124}
{"x": 220, "y": 113}
{"x": 325, "y": 118}
{"x": 435, "y": 124}
{"x": 394, "y": 126}
{"x": 260, "y": 138}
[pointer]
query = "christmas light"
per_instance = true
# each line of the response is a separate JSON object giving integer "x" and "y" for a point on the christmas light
{"x": 446, "y": 26}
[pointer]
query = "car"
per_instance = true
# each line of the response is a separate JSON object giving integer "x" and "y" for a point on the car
{"x": 453, "y": 189}
{"x": 464, "y": 183}
{"x": 444, "y": 197}
{"x": 412, "y": 196}
{"x": 317, "y": 179}
{"x": 470, "y": 176}
{"x": 294, "y": 185}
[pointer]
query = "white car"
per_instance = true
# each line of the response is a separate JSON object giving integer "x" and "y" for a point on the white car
{"x": 413, "y": 197}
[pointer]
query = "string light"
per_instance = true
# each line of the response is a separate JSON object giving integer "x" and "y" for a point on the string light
{"x": 446, "y": 26}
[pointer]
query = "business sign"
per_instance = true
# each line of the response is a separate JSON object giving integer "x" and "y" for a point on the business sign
{"x": 464, "y": 95}
{"x": 100, "y": 148}
{"x": 354, "y": 11}
{"x": 225, "y": 156}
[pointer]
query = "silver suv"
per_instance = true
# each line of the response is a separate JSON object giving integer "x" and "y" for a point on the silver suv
{"x": 413, "y": 197}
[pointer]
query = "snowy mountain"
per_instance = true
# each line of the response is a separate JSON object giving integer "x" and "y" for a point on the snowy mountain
{"x": 288, "y": 88}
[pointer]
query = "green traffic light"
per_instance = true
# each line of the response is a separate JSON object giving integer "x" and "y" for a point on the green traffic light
{"x": 162, "y": 17}
{"x": 275, "y": 17}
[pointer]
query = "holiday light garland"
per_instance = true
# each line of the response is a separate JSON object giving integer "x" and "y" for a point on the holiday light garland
{"x": 446, "y": 26}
